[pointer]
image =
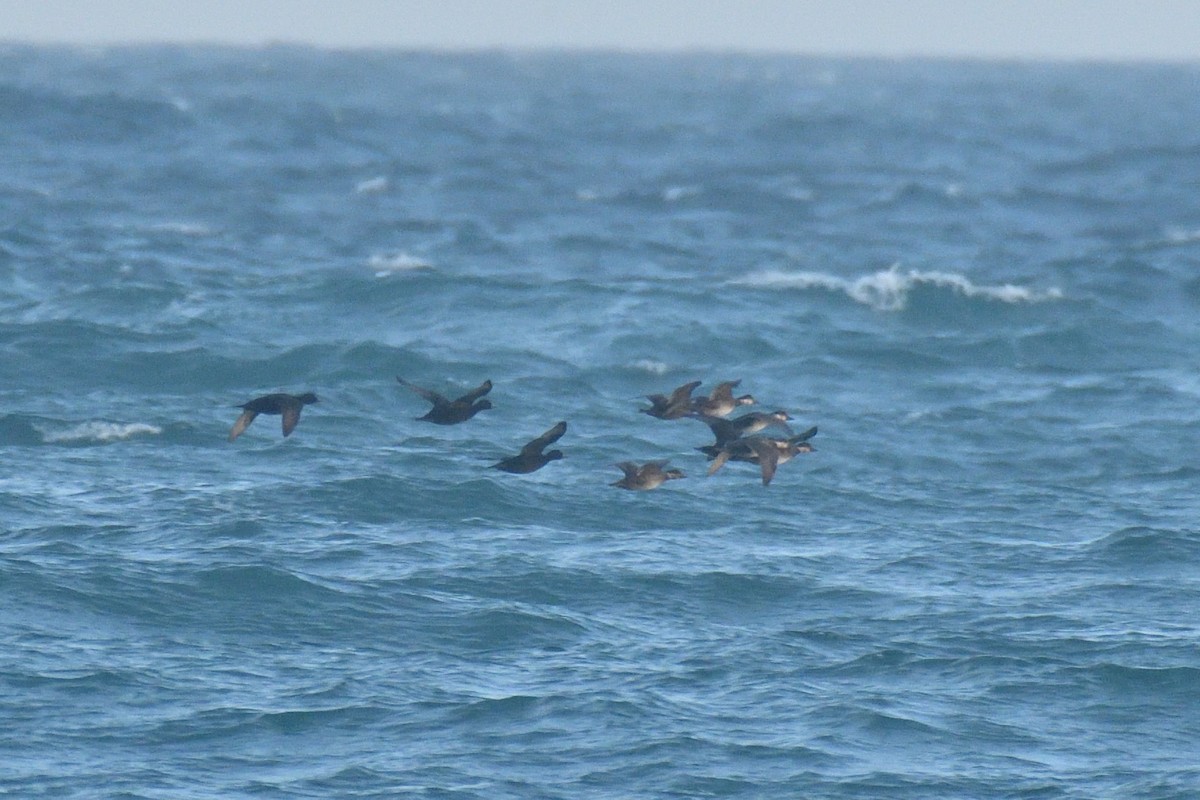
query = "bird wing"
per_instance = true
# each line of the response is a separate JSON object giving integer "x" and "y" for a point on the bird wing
{"x": 476, "y": 393}
{"x": 549, "y": 437}
{"x": 683, "y": 395}
{"x": 719, "y": 460}
{"x": 725, "y": 430}
{"x": 724, "y": 390}
{"x": 431, "y": 396}
{"x": 242, "y": 423}
{"x": 291, "y": 416}
{"x": 803, "y": 437}
{"x": 629, "y": 468}
{"x": 768, "y": 458}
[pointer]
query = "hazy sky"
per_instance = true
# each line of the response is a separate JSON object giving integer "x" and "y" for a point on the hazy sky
{"x": 1108, "y": 29}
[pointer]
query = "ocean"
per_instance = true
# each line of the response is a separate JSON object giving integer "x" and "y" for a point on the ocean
{"x": 979, "y": 280}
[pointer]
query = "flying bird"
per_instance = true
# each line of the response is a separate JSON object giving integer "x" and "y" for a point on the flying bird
{"x": 678, "y": 405}
{"x": 531, "y": 457}
{"x": 768, "y": 453}
{"x": 648, "y": 476}
{"x": 289, "y": 405}
{"x": 726, "y": 430}
{"x": 452, "y": 412}
{"x": 721, "y": 400}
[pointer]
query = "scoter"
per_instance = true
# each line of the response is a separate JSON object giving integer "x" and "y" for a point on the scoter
{"x": 531, "y": 457}
{"x": 452, "y": 412}
{"x": 726, "y": 430}
{"x": 289, "y": 405}
{"x": 677, "y": 406}
{"x": 768, "y": 453}
{"x": 720, "y": 402}
{"x": 648, "y": 476}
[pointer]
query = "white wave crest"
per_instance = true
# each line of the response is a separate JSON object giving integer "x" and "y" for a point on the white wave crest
{"x": 374, "y": 185}
{"x": 651, "y": 366}
{"x": 386, "y": 263}
{"x": 888, "y": 290}
{"x": 102, "y": 432}
{"x": 182, "y": 228}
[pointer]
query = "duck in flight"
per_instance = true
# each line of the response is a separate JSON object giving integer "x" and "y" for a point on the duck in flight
{"x": 768, "y": 453}
{"x": 288, "y": 405}
{"x": 648, "y": 476}
{"x": 452, "y": 412}
{"x": 726, "y": 430}
{"x": 531, "y": 457}
{"x": 677, "y": 406}
{"x": 721, "y": 400}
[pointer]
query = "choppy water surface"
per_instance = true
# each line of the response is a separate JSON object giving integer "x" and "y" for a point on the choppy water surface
{"x": 978, "y": 280}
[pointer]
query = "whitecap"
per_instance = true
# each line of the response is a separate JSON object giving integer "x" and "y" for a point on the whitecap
{"x": 374, "y": 185}
{"x": 889, "y": 289}
{"x": 183, "y": 228}
{"x": 651, "y": 366}
{"x": 96, "y": 431}
{"x": 673, "y": 194}
{"x": 1182, "y": 235}
{"x": 385, "y": 264}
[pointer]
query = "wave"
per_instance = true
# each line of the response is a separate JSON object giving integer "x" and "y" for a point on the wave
{"x": 890, "y": 289}
{"x": 651, "y": 366}
{"x": 385, "y": 264}
{"x": 376, "y": 185}
{"x": 97, "y": 432}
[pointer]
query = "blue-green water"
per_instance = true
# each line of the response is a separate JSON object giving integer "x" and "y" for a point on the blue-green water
{"x": 979, "y": 280}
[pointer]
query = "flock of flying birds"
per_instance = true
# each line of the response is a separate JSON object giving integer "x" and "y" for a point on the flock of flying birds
{"x": 738, "y": 438}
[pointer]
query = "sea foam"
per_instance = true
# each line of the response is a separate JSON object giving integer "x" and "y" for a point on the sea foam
{"x": 102, "y": 432}
{"x": 889, "y": 289}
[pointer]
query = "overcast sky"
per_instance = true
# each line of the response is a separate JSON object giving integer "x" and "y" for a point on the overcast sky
{"x": 1104, "y": 29}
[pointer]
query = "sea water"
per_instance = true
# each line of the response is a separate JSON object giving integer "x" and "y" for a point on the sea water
{"x": 979, "y": 280}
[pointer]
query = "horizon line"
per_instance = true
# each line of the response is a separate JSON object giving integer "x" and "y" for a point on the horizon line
{"x": 605, "y": 49}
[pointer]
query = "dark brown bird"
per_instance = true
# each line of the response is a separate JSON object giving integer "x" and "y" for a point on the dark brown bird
{"x": 726, "y": 430}
{"x": 678, "y": 405}
{"x": 452, "y": 412}
{"x": 721, "y": 400}
{"x": 531, "y": 457}
{"x": 648, "y": 476}
{"x": 766, "y": 452}
{"x": 289, "y": 405}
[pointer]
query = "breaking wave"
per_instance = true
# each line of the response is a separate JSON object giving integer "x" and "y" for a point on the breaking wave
{"x": 889, "y": 290}
{"x": 101, "y": 432}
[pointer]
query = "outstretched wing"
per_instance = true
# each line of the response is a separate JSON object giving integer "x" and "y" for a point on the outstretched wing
{"x": 476, "y": 393}
{"x": 291, "y": 416}
{"x": 242, "y": 423}
{"x": 724, "y": 390}
{"x": 803, "y": 437}
{"x": 629, "y": 468}
{"x": 719, "y": 460}
{"x": 431, "y": 396}
{"x": 725, "y": 430}
{"x": 768, "y": 458}
{"x": 549, "y": 437}
{"x": 683, "y": 395}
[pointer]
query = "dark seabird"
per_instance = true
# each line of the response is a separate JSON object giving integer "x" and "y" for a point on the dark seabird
{"x": 531, "y": 456}
{"x": 451, "y": 412}
{"x": 648, "y": 476}
{"x": 289, "y": 405}
{"x": 721, "y": 401}
{"x": 726, "y": 430}
{"x": 678, "y": 405}
{"x": 766, "y": 452}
